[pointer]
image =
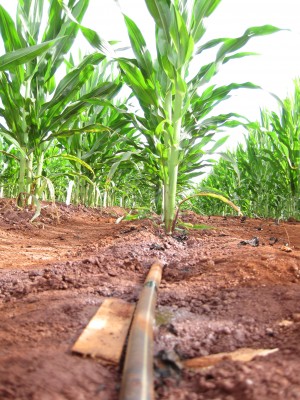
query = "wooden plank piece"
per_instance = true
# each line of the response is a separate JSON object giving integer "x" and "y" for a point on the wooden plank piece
{"x": 244, "y": 355}
{"x": 106, "y": 333}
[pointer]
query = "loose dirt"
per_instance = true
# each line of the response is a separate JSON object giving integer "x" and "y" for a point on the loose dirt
{"x": 219, "y": 293}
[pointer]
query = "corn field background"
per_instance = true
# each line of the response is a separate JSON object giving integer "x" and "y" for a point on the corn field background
{"x": 262, "y": 175}
{"x": 102, "y": 129}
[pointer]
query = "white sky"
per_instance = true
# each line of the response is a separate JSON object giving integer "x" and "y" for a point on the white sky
{"x": 274, "y": 69}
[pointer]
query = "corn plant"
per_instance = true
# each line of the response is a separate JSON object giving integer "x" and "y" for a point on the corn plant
{"x": 99, "y": 138}
{"x": 263, "y": 176}
{"x": 284, "y": 133}
{"x": 8, "y": 168}
{"x": 175, "y": 120}
{"x": 35, "y": 108}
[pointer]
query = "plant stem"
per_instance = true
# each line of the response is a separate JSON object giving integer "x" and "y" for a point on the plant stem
{"x": 173, "y": 152}
{"x": 39, "y": 171}
{"x": 22, "y": 173}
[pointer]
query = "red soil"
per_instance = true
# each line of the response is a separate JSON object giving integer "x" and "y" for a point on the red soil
{"x": 216, "y": 295}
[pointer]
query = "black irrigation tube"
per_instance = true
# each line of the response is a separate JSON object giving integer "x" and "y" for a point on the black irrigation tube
{"x": 137, "y": 381}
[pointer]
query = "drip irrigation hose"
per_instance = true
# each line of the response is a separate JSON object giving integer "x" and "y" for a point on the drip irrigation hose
{"x": 137, "y": 381}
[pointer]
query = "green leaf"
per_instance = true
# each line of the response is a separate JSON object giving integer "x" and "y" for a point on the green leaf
{"x": 201, "y": 10}
{"x": 125, "y": 157}
{"x": 239, "y": 55}
{"x": 159, "y": 9}
{"x": 74, "y": 174}
{"x": 98, "y": 43}
{"x": 13, "y": 59}
{"x": 139, "y": 47}
{"x": 210, "y": 44}
{"x": 13, "y": 141}
{"x": 8, "y": 32}
{"x": 93, "y": 128}
{"x": 62, "y": 24}
{"x": 231, "y": 45}
{"x": 70, "y": 85}
{"x": 75, "y": 159}
{"x": 221, "y": 93}
{"x": 218, "y": 144}
{"x": 143, "y": 89}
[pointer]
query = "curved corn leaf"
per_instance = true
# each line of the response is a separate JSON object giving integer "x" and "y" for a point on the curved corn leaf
{"x": 210, "y": 44}
{"x": 9, "y": 155}
{"x": 12, "y": 59}
{"x": 67, "y": 89}
{"x": 75, "y": 159}
{"x": 13, "y": 141}
{"x": 62, "y": 121}
{"x": 93, "y": 128}
{"x": 159, "y": 9}
{"x": 218, "y": 94}
{"x": 92, "y": 37}
{"x": 62, "y": 25}
{"x": 74, "y": 174}
{"x": 209, "y": 194}
{"x": 143, "y": 89}
{"x": 8, "y": 32}
{"x": 70, "y": 85}
{"x": 96, "y": 41}
{"x": 201, "y": 10}
{"x": 231, "y": 45}
{"x": 240, "y": 55}
{"x": 125, "y": 157}
{"x": 218, "y": 144}
{"x": 139, "y": 47}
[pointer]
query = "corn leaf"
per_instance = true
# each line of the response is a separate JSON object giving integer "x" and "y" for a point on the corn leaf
{"x": 8, "y": 32}
{"x": 231, "y": 45}
{"x": 93, "y": 128}
{"x": 75, "y": 159}
{"x": 13, "y": 141}
{"x": 139, "y": 47}
{"x": 143, "y": 89}
{"x": 12, "y": 59}
{"x": 125, "y": 157}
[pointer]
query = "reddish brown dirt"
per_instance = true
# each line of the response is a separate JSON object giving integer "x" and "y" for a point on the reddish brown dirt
{"x": 216, "y": 295}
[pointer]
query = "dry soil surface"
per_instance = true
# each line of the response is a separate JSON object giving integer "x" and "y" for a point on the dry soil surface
{"x": 219, "y": 293}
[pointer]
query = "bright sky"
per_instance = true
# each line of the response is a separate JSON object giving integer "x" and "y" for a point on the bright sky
{"x": 274, "y": 69}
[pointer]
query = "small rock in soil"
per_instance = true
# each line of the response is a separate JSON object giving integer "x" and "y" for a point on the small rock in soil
{"x": 252, "y": 242}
